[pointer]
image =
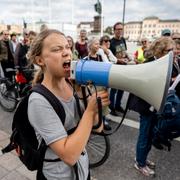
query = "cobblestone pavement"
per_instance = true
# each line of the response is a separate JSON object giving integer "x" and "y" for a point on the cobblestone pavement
{"x": 11, "y": 167}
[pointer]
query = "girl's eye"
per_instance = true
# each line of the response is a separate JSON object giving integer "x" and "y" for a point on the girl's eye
{"x": 68, "y": 46}
{"x": 56, "y": 49}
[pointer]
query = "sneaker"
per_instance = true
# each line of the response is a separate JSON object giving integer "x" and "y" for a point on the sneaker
{"x": 144, "y": 170}
{"x": 150, "y": 164}
{"x": 107, "y": 127}
{"x": 113, "y": 112}
{"x": 120, "y": 109}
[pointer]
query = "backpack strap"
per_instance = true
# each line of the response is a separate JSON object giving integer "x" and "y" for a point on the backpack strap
{"x": 52, "y": 99}
{"x": 59, "y": 109}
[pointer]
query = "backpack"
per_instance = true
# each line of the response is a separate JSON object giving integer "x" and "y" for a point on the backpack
{"x": 168, "y": 122}
{"x": 23, "y": 138}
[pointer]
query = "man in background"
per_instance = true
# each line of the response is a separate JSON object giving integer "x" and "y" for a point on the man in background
{"x": 117, "y": 43}
{"x": 6, "y": 54}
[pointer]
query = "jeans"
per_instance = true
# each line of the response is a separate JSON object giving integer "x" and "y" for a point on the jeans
{"x": 115, "y": 98}
{"x": 145, "y": 138}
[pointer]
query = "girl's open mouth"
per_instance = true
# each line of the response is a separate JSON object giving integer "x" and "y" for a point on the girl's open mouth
{"x": 66, "y": 65}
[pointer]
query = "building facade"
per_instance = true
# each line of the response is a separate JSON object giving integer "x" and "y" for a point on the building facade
{"x": 150, "y": 27}
{"x": 11, "y": 28}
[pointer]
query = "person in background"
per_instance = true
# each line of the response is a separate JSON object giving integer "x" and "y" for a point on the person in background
{"x": 176, "y": 65}
{"x": 166, "y": 32}
{"x": 139, "y": 54}
{"x": 175, "y": 35}
{"x": 6, "y": 54}
{"x": 104, "y": 51}
{"x": 81, "y": 45}
{"x": 123, "y": 56}
{"x": 22, "y": 49}
{"x": 117, "y": 42}
{"x": 1, "y": 55}
{"x": 13, "y": 43}
{"x": 156, "y": 50}
{"x": 74, "y": 51}
{"x": 51, "y": 52}
{"x": 93, "y": 48}
{"x": 1, "y": 35}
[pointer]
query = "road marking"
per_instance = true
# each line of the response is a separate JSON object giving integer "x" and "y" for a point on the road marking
{"x": 129, "y": 122}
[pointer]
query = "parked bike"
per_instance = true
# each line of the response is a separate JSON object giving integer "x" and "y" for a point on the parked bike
{"x": 11, "y": 91}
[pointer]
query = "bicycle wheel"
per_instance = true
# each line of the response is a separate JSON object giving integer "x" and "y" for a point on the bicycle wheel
{"x": 98, "y": 149}
{"x": 8, "y": 95}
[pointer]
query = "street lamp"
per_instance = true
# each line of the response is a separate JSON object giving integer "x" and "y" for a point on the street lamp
{"x": 124, "y": 9}
{"x": 102, "y": 17}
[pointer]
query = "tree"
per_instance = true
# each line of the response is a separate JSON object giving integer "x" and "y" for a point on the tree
{"x": 109, "y": 30}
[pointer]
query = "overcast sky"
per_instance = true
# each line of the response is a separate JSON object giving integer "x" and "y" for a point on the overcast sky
{"x": 13, "y": 11}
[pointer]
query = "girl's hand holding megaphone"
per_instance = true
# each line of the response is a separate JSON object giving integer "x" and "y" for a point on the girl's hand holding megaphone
{"x": 92, "y": 101}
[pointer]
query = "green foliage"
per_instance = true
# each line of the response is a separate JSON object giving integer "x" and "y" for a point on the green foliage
{"x": 109, "y": 30}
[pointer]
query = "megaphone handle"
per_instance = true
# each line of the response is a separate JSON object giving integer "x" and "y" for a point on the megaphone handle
{"x": 83, "y": 89}
{"x": 99, "y": 114}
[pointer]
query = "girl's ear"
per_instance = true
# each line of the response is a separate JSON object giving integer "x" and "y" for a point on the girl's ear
{"x": 39, "y": 61}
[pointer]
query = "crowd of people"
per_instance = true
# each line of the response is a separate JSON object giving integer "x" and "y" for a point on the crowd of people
{"x": 52, "y": 52}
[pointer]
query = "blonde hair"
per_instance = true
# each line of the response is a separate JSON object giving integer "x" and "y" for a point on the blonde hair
{"x": 157, "y": 47}
{"x": 36, "y": 50}
{"x": 91, "y": 42}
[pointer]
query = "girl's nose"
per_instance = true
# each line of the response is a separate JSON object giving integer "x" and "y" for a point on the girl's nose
{"x": 67, "y": 52}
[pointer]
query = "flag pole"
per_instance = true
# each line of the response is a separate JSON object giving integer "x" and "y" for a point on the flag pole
{"x": 124, "y": 9}
{"x": 102, "y": 17}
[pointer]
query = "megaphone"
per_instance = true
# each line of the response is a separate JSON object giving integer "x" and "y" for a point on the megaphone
{"x": 149, "y": 81}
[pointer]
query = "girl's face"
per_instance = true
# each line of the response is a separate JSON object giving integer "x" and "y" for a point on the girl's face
{"x": 56, "y": 56}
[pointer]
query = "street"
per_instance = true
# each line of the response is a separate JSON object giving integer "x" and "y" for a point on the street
{"x": 119, "y": 165}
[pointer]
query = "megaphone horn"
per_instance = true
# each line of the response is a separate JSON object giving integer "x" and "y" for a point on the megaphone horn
{"x": 149, "y": 81}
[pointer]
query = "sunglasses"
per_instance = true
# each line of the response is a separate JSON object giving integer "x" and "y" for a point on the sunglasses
{"x": 176, "y": 39}
{"x": 120, "y": 29}
{"x": 6, "y": 34}
{"x": 143, "y": 41}
{"x": 168, "y": 50}
{"x": 106, "y": 40}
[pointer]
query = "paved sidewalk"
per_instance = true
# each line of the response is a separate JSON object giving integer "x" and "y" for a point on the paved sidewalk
{"x": 11, "y": 167}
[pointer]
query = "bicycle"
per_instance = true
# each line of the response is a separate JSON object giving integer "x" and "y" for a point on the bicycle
{"x": 98, "y": 149}
{"x": 98, "y": 146}
{"x": 11, "y": 91}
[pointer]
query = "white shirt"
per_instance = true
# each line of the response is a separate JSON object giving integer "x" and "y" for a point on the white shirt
{"x": 107, "y": 58}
